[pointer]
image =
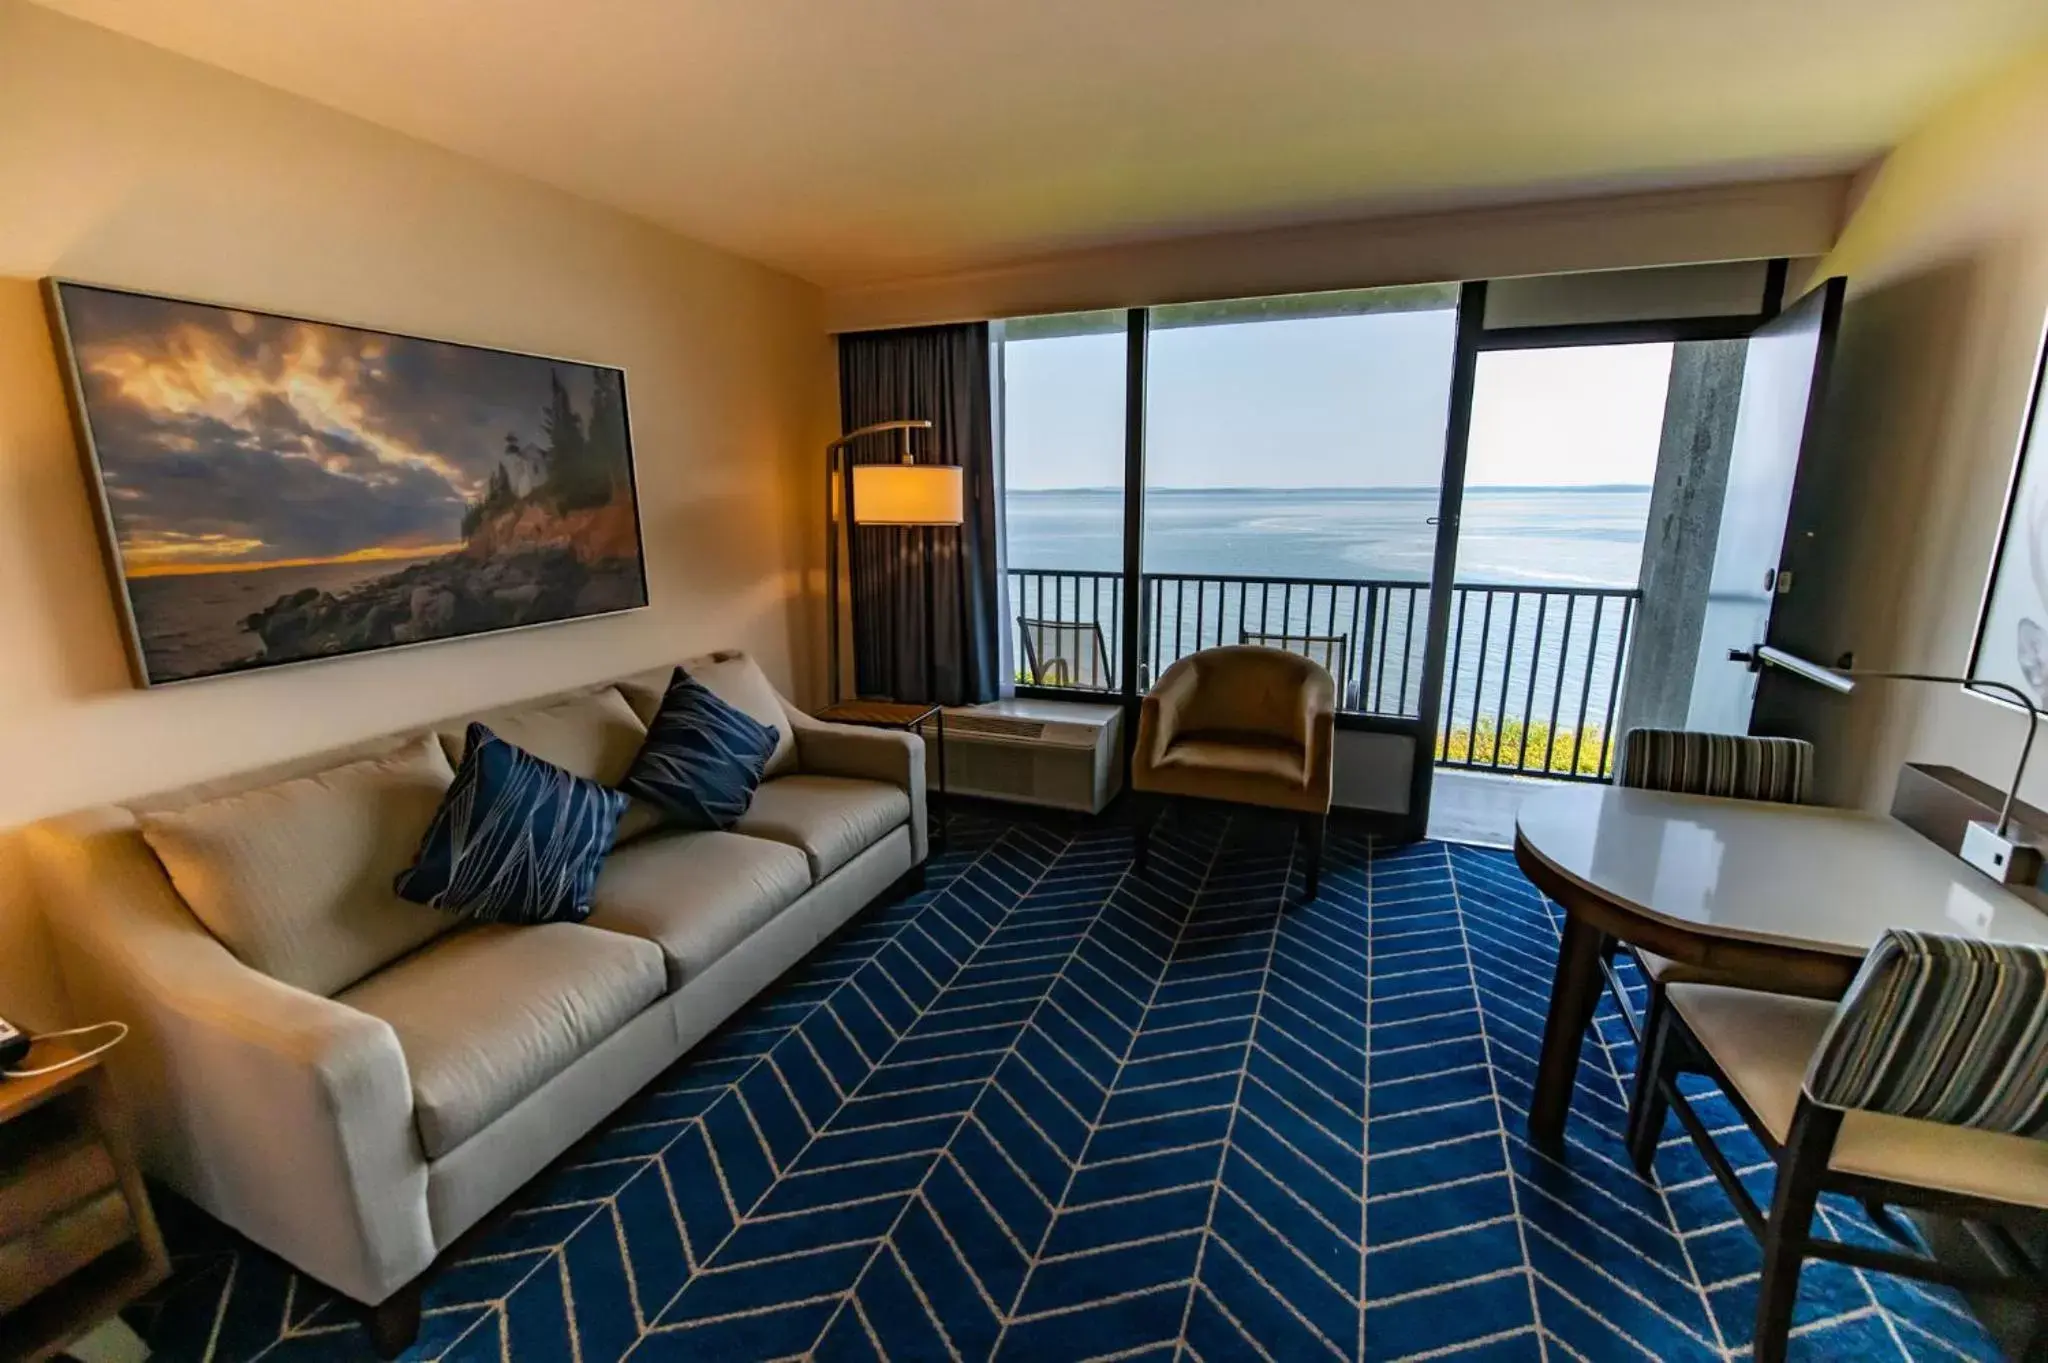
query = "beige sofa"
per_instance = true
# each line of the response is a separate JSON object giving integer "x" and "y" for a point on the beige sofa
{"x": 357, "y": 1126}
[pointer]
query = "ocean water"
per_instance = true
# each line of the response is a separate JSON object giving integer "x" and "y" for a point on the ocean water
{"x": 1564, "y": 537}
{"x": 1538, "y": 654}
{"x": 191, "y": 623}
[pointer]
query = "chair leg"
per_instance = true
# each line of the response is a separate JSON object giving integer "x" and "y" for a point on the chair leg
{"x": 1142, "y": 814}
{"x": 1647, "y": 1105}
{"x": 1800, "y": 1166}
{"x": 394, "y": 1323}
{"x": 1313, "y": 828}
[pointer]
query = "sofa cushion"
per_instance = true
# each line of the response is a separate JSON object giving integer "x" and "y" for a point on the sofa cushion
{"x": 516, "y": 839}
{"x": 702, "y": 759}
{"x": 830, "y": 818}
{"x": 697, "y": 895}
{"x": 594, "y": 735}
{"x": 295, "y": 878}
{"x": 735, "y": 679}
{"x": 487, "y": 1015}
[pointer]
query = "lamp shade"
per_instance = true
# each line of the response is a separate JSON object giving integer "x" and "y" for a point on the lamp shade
{"x": 907, "y": 494}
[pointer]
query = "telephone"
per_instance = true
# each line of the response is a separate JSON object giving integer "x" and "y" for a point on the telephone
{"x": 15, "y": 1043}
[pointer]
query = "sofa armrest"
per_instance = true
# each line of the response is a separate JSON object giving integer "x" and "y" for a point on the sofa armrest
{"x": 851, "y": 750}
{"x": 285, "y": 1114}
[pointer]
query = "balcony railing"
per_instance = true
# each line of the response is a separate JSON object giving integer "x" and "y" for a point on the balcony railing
{"x": 1532, "y": 682}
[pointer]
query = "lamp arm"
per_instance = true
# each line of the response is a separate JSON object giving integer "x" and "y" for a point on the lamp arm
{"x": 2012, "y": 792}
{"x": 1839, "y": 679}
{"x": 876, "y": 428}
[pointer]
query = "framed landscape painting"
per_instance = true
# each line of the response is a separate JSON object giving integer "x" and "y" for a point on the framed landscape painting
{"x": 2012, "y": 626}
{"x": 274, "y": 490}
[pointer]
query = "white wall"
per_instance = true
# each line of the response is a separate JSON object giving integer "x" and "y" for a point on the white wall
{"x": 1946, "y": 253}
{"x": 124, "y": 165}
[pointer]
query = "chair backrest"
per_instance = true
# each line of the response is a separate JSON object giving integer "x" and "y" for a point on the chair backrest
{"x": 1733, "y": 766}
{"x": 1331, "y": 650}
{"x": 1066, "y": 653}
{"x": 1943, "y": 1029}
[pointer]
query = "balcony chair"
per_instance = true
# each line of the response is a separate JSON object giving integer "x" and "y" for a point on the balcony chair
{"x": 1066, "y": 653}
{"x": 1926, "y": 1086}
{"x": 1243, "y": 725}
{"x": 1331, "y": 650}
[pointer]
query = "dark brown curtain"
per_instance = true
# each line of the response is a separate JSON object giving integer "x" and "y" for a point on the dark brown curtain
{"x": 924, "y": 601}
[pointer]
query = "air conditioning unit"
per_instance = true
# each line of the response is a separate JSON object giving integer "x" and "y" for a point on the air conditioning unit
{"x": 1064, "y": 754}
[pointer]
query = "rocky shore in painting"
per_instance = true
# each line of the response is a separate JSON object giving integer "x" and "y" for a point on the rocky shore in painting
{"x": 525, "y": 565}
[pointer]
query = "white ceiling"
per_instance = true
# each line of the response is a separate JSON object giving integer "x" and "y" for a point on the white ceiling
{"x": 854, "y": 140}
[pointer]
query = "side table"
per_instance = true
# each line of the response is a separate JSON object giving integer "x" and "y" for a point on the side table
{"x": 908, "y": 716}
{"x": 78, "y": 1240}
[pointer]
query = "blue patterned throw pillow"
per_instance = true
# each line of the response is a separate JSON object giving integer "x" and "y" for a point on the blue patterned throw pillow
{"x": 516, "y": 839}
{"x": 702, "y": 758}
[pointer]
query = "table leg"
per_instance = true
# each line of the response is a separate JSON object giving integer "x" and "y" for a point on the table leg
{"x": 1574, "y": 994}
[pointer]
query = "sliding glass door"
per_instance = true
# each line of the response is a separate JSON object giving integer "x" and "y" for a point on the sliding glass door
{"x": 1278, "y": 471}
{"x": 1559, "y": 467}
{"x": 1062, "y": 449}
{"x": 1294, "y": 459}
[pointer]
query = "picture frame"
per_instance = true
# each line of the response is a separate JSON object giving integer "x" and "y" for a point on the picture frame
{"x": 273, "y": 490}
{"x": 2010, "y": 645}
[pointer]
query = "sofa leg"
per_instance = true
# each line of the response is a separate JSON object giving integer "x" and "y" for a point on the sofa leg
{"x": 394, "y": 1323}
{"x": 912, "y": 881}
{"x": 1313, "y": 827}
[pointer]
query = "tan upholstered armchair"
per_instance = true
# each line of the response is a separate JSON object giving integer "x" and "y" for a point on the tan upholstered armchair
{"x": 1246, "y": 725}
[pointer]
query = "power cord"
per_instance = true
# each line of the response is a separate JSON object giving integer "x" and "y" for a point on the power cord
{"x": 120, "y": 1035}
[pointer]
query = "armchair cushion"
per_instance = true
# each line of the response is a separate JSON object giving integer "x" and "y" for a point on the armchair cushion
{"x": 1764, "y": 1043}
{"x": 828, "y": 818}
{"x": 516, "y": 839}
{"x": 487, "y": 1015}
{"x": 702, "y": 758}
{"x": 1256, "y": 755}
{"x": 295, "y": 878}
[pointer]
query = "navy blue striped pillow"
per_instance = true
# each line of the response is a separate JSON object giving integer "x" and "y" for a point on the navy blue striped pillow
{"x": 516, "y": 839}
{"x": 702, "y": 758}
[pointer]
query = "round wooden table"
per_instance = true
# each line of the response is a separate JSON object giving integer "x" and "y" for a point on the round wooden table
{"x": 1787, "y": 896}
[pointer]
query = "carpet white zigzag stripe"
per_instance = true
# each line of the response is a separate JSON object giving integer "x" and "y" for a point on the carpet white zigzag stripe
{"x": 1048, "y": 1110}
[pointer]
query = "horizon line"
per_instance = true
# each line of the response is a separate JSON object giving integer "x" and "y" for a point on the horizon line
{"x": 378, "y": 554}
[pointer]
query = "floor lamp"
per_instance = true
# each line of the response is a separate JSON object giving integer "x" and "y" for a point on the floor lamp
{"x": 906, "y": 494}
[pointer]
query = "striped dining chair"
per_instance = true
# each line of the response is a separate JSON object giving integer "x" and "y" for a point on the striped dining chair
{"x": 1926, "y": 1086}
{"x": 1689, "y": 762}
{"x": 1732, "y": 766}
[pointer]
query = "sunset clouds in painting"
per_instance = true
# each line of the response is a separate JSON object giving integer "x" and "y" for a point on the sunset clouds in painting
{"x": 233, "y": 442}
{"x": 231, "y": 438}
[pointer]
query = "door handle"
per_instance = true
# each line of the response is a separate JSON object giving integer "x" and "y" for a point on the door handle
{"x": 1747, "y": 657}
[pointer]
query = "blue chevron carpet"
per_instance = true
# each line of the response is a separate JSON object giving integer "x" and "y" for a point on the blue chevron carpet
{"x": 1048, "y": 1110}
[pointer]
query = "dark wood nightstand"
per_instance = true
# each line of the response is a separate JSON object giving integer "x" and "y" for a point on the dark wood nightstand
{"x": 78, "y": 1240}
{"x": 910, "y": 717}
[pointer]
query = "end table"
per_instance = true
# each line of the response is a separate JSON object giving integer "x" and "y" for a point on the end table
{"x": 77, "y": 1238}
{"x": 910, "y": 717}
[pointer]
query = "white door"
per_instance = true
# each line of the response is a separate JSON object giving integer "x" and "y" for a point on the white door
{"x": 1783, "y": 372}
